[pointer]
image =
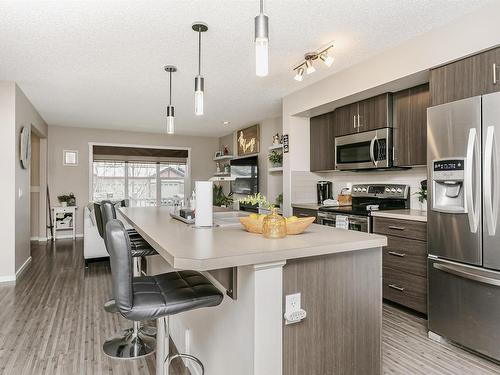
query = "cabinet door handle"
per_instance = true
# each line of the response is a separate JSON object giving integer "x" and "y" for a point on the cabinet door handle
{"x": 359, "y": 121}
{"x": 396, "y": 228}
{"x": 354, "y": 121}
{"x": 401, "y": 289}
{"x": 396, "y": 254}
{"x": 494, "y": 74}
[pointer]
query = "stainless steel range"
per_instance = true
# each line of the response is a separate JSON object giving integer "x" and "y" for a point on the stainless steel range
{"x": 366, "y": 198}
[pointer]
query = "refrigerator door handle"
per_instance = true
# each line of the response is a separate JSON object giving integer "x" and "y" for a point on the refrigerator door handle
{"x": 466, "y": 275}
{"x": 472, "y": 210}
{"x": 490, "y": 200}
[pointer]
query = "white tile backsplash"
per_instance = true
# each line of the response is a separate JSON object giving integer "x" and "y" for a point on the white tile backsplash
{"x": 304, "y": 183}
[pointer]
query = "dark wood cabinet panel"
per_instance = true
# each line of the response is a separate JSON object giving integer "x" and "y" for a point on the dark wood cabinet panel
{"x": 486, "y": 72}
{"x": 345, "y": 120}
{"x": 410, "y": 126}
{"x": 406, "y": 289}
{"x": 474, "y": 75}
{"x": 406, "y": 255}
{"x": 375, "y": 113}
{"x": 322, "y": 143}
{"x": 416, "y": 230}
{"x": 305, "y": 212}
{"x": 452, "y": 82}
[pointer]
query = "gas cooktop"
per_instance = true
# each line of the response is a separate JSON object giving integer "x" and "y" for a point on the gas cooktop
{"x": 371, "y": 197}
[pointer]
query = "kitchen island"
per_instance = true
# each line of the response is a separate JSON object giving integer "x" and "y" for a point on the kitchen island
{"x": 337, "y": 272}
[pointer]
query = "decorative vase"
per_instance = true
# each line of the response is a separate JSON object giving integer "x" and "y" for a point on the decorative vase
{"x": 64, "y": 204}
{"x": 274, "y": 225}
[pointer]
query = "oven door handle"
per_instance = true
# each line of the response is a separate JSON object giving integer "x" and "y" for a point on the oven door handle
{"x": 372, "y": 150}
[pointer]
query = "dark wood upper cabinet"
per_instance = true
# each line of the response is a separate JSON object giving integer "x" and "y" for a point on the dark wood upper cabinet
{"x": 322, "y": 153}
{"x": 375, "y": 113}
{"x": 410, "y": 126}
{"x": 474, "y": 75}
{"x": 345, "y": 120}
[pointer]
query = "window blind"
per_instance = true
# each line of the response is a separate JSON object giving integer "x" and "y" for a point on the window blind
{"x": 139, "y": 154}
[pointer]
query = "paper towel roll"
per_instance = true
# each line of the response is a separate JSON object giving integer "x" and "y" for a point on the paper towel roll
{"x": 204, "y": 204}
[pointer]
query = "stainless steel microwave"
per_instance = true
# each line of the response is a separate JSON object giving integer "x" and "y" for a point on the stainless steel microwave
{"x": 366, "y": 150}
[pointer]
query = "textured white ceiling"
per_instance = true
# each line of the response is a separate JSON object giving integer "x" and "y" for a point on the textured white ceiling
{"x": 100, "y": 64}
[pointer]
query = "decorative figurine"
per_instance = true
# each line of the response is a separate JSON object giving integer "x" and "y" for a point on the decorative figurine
{"x": 276, "y": 139}
{"x": 226, "y": 150}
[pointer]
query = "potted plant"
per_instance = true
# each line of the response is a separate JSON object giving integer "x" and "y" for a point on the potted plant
{"x": 276, "y": 158}
{"x": 71, "y": 200}
{"x": 279, "y": 200}
{"x": 220, "y": 199}
{"x": 422, "y": 195}
{"x": 63, "y": 199}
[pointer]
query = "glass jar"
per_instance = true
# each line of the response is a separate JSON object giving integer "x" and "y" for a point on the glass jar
{"x": 274, "y": 225}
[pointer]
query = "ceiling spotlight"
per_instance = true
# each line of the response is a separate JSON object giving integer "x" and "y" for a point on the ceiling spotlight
{"x": 309, "y": 67}
{"x": 300, "y": 74}
{"x": 199, "y": 81}
{"x": 226, "y": 122}
{"x": 327, "y": 59}
{"x": 307, "y": 63}
{"x": 170, "y": 108}
{"x": 261, "y": 43}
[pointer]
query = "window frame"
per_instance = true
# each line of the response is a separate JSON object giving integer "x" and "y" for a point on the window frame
{"x": 187, "y": 178}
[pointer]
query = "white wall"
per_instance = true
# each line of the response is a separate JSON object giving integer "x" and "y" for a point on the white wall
{"x": 26, "y": 116}
{"x": 405, "y": 64}
{"x": 16, "y": 112}
{"x": 64, "y": 179}
{"x": 7, "y": 187}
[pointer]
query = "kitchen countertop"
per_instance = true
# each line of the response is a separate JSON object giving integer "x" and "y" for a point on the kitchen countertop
{"x": 415, "y": 215}
{"x": 308, "y": 206}
{"x": 202, "y": 249}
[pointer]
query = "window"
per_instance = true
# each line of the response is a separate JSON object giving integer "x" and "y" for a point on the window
{"x": 144, "y": 184}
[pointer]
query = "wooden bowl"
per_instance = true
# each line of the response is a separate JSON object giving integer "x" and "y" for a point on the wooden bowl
{"x": 251, "y": 225}
{"x": 299, "y": 226}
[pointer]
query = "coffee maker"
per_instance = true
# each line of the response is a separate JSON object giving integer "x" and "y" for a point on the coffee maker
{"x": 324, "y": 190}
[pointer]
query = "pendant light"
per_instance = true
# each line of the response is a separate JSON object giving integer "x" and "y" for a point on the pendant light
{"x": 199, "y": 81}
{"x": 170, "y": 108}
{"x": 261, "y": 42}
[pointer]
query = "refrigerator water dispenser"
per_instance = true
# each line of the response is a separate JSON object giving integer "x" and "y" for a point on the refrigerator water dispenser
{"x": 448, "y": 178}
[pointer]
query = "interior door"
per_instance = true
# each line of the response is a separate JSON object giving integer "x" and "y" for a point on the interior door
{"x": 454, "y": 131}
{"x": 491, "y": 180}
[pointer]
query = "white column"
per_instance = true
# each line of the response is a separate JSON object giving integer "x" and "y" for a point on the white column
{"x": 268, "y": 333}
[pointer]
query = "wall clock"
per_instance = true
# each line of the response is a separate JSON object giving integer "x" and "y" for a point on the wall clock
{"x": 25, "y": 147}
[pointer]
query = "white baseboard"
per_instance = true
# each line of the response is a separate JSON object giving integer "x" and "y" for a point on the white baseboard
{"x": 23, "y": 267}
{"x": 43, "y": 239}
{"x": 65, "y": 236}
{"x": 34, "y": 238}
{"x": 8, "y": 279}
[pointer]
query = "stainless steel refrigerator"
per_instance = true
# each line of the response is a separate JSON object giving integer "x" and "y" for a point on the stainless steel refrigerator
{"x": 463, "y": 155}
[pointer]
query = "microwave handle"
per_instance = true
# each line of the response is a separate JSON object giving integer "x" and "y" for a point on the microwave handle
{"x": 372, "y": 150}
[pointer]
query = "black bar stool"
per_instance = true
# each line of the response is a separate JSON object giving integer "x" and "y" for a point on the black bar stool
{"x": 134, "y": 342}
{"x": 155, "y": 297}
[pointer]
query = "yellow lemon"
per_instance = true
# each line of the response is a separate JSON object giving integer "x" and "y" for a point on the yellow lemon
{"x": 254, "y": 216}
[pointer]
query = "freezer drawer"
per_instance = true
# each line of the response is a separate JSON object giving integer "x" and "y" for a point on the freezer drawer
{"x": 464, "y": 305}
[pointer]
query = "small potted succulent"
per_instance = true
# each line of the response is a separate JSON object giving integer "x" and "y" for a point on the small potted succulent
{"x": 422, "y": 195}
{"x": 276, "y": 158}
{"x": 63, "y": 199}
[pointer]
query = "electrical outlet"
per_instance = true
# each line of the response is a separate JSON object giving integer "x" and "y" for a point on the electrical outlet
{"x": 292, "y": 302}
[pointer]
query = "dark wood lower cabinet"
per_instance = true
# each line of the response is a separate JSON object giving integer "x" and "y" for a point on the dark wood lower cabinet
{"x": 342, "y": 294}
{"x": 404, "y": 262}
{"x": 305, "y": 212}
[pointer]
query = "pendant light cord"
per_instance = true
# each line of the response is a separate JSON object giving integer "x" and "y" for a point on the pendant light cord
{"x": 199, "y": 52}
{"x": 261, "y": 6}
{"x": 170, "y": 100}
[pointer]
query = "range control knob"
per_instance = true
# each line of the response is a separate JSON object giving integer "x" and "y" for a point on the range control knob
{"x": 399, "y": 190}
{"x": 364, "y": 190}
{"x": 387, "y": 190}
{"x": 393, "y": 190}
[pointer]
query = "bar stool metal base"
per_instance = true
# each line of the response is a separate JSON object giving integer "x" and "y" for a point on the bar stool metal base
{"x": 134, "y": 344}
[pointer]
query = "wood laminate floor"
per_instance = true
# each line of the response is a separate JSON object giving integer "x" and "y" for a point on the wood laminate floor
{"x": 52, "y": 323}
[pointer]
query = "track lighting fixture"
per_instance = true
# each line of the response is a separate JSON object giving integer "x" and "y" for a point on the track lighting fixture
{"x": 261, "y": 42}
{"x": 307, "y": 63}
{"x": 199, "y": 81}
{"x": 170, "y": 108}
